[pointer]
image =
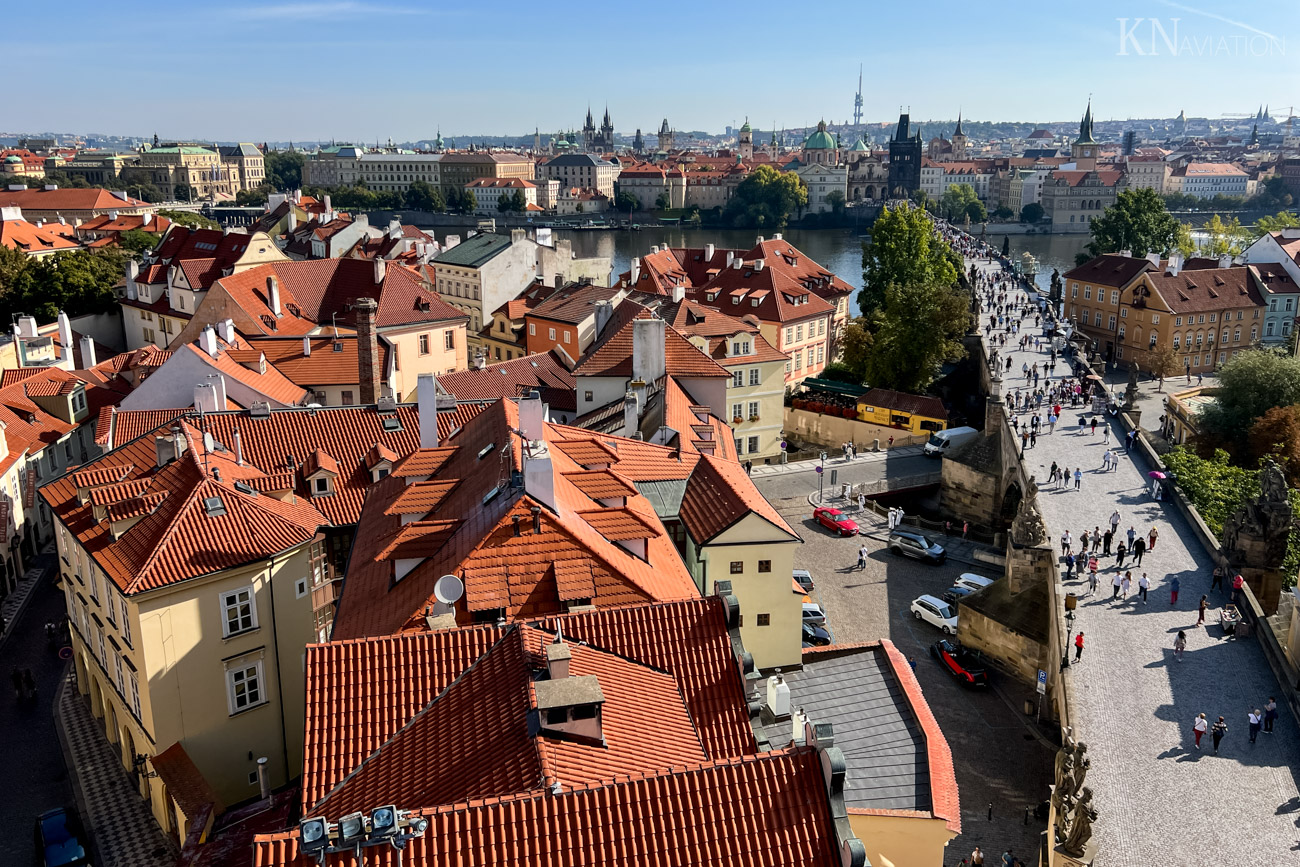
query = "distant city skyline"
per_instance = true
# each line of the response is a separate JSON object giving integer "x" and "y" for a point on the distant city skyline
{"x": 360, "y": 70}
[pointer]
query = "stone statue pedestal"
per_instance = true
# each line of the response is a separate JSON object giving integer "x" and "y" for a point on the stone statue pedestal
{"x": 1058, "y": 858}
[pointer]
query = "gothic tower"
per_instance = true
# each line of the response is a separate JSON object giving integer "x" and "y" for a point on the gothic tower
{"x": 746, "y": 145}
{"x": 665, "y": 136}
{"x": 904, "y": 160}
{"x": 958, "y": 141}
{"x": 1084, "y": 149}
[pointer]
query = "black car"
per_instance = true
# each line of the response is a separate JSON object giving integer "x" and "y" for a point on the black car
{"x": 816, "y": 636}
{"x": 955, "y": 594}
{"x": 967, "y": 666}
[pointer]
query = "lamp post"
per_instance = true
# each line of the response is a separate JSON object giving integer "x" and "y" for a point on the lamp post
{"x": 1069, "y": 633}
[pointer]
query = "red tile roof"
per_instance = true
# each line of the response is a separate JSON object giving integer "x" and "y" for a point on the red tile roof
{"x": 126, "y": 223}
{"x": 574, "y": 303}
{"x": 1212, "y": 289}
{"x": 915, "y": 404}
{"x": 184, "y": 782}
{"x": 69, "y": 199}
{"x": 611, "y": 355}
{"x": 549, "y": 372}
{"x": 32, "y": 239}
{"x": 718, "y": 495}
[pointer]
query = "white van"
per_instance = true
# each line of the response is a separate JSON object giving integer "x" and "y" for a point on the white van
{"x": 943, "y": 440}
{"x": 972, "y": 581}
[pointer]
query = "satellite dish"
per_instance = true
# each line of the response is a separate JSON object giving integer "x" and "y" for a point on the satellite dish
{"x": 448, "y": 590}
{"x": 209, "y": 444}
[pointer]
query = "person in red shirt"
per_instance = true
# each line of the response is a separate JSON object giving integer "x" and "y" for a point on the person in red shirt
{"x": 1078, "y": 646}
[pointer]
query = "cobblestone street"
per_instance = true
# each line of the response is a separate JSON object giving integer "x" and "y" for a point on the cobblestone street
{"x": 1160, "y": 801}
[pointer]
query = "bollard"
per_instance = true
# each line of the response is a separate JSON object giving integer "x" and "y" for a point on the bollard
{"x": 875, "y": 445}
{"x": 990, "y": 811}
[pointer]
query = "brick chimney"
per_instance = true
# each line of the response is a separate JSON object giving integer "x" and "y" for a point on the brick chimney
{"x": 368, "y": 349}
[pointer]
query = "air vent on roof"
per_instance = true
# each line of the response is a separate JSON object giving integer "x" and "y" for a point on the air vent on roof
{"x": 392, "y": 423}
{"x": 213, "y": 506}
{"x": 386, "y": 404}
{"x": 260, "y": 409}
{"x": 246, "y": 488}
{"x": 486, "y": 450}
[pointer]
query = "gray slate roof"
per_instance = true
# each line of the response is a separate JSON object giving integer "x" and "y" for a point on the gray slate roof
{"x": 883, "y": 744}
{"x": 474, "y": 252}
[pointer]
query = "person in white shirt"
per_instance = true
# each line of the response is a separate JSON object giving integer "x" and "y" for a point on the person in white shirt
{"x": 1199, "y": 727}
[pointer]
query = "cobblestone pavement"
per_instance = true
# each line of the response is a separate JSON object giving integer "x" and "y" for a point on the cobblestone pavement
{"x": 1160, "y": 801}
{"x": 998, "y": 758}
{"x": 122, "y": 827}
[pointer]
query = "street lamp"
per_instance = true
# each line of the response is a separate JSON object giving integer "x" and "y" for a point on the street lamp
{"x": 318, "y": 837}
{"x": 1069, "y": 633}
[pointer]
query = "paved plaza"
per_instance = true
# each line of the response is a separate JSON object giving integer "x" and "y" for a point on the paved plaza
{"x": 1161, "y": 801}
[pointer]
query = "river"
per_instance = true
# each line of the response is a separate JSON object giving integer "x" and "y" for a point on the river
{"x": 838, "y": 250}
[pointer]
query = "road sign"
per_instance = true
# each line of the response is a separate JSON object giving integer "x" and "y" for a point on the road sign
{"x": 835, "y": 475}
{"x": 818, "y": 469}
{"x": 782, "y": 445}
{"x": 1042, "y": 682}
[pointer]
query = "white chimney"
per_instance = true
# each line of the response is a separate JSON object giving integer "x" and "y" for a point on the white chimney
{"x": 679, "y": 293}
{"x": 760, "y": 264}
{"x": 797, "y": 721}
{"x": 380, "y": 268}
{"x": 604, "y": 312}
{"x": 239, "y": 448}
{"x": 10, "y": 214}
{"x": 306, "y": 347}
{"x": 146, "y": 219}
{"x": 394, "y": 229}
{"x": 208, "y": 341}
{"x": 273, "y": 295}
{"x": 631, "y": 413}
{"x": 778, "y": 696}
{"x": 292, "y": 224}
{"x": 219, "y": 388}
{"x": 28, "y": 326}
{"x": 112, "y": 215}
{"x": 65, "y": 338}
{"x": 760, "y": 239}
{"x": 132, "y": 271}
{"x": 648, "y": 363}
{"x": 227, "y": 327}
{"x": 532, "y": 416}
{"x": 1154, "y": 259}
{"x": 778, "y": 236}
{"x": 205, "y": 397}
{"x": 87, "y": 353}
{"x": 1175, "y": 264}
{"x": 636, "y": 270}
{"x": 1127, "y": 254}
{"x": 1225, "y": 261}
{"x": 328, "y": 206}
{"x": 426, "y": 397}
{"x": 708, "y": 252}
{"x": 738, "y": 263}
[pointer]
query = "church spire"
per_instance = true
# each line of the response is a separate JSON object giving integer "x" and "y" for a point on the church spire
{"x": 958, "y": 131}
{"x": 1085, "y": 126}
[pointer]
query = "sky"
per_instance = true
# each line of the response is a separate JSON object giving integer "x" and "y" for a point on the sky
{"x": 375, "y": 69}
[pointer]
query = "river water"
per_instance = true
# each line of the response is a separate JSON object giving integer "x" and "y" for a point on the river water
{"x": 838, "y": 250}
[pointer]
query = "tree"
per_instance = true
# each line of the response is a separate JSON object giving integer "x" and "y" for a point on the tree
{"x": 76, "y": 282}
{"x": 625, "y": 201}
{"x": 504, "y": 204}
{"x": 189, "y": 218}
{"x": 578, "y": 208}
{"x": 1250, "y": 384}
{"x": 1138, "y": 222}
{"x": 855, "y": 345}
{"x": 136, "y": 241}
{"x": 468, "y": 202}
{"x": 662, "y": 202}
{"x": 956, "y": 200}
{"x": 1277, "y": 434}
{"x": 284, "y": 169}
{"x": 1031, "y": 213}
{"x": 1276, "y": 223}
{"x": 454, "y": 198}
{"x": 518, "y": 202}
{"x": 976, "y": 212}
{"x": 423, "y": 196}
{"x": 1184, "y": 243}
{"x": 252, "y": 198}
{"x": 1161, "y": 363}
{"x": 765, "y": 199}
{"x": 182, "y": 193}
{"x": 836, "y": 200}
{"x": 1272, "y": 193}
{"x": 1225, "y": 238}
{"x": 1002, "y": 212}
{"x": 920, "y": 327}
{"x": 904, "y": 247}
{"x": 145, "y": 192}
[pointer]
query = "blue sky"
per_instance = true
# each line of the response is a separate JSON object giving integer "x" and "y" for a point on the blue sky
{"x": 361, "y": 69}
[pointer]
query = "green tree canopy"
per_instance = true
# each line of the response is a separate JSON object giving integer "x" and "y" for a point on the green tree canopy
{"x": 468, "y": 201}
{"x": 1138, "y": 221}
{"x": 183, "y": 193}
{"x": 904, "y": 248}
{"x": 625, "y": 201}
{"x": 1226, "y": 238}
{"x": 1002, "y": 212}
{"x": 136, "y": 241}
{"x": 956, "y": 200}
{"x": 836, "y": 200}
{"x": 1276, "y": 223}
{"x": 76, "y": 282}
{"x": 284, "y": 169}
{"x": 765, "y": 199}
{"x": 855, "y": 347}
{"x": 919, "y": 328}
{"x": 1031, "y": 213}
{"x": 662, "y": 202}
{"x": 1250, "y": 384}
{"x": 189, "y": 218}
{"x": 252, "y": 198}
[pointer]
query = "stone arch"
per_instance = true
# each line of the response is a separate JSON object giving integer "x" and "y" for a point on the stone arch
{"x": 96, "y": 699}
{"x": 110, "y": 722}
{"x": 871, "y": 192}
{"x": 83, "y": 684}
{"x": 128, "y": 748}
{"x": 1010, "y": 503}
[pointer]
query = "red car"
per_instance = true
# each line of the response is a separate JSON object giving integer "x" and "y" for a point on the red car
{"x": 833, "y": 519}
{"x": 967, "y": 666}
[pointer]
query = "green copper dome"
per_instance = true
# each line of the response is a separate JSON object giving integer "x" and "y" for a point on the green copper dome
{"x": 746, "y": 127}
{"x": 820, "y": 140}
{"x": 13, "y": 158}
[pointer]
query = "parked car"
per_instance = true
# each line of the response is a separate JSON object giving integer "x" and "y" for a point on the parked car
{"x": 60, "y": 840}
{"x": 835, "y": 521}
{"x": 816, "y": 636}
{"x": 956, "y": 593}
{"x": 936, "y": 612}
{"x": 966, "y": 665}
{"x": 911, "y": 543}
{"x": 972, "y": 581}
{"x": 803, "y": 578}
{"x": 813, "y": 613}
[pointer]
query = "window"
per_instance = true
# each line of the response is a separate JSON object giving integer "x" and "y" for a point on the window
{"x": 1087, "y": 293}
{"x": 244, "y": 687}
{"x": 753, "y": 409}
{"x": 94, "y": 584}
{"x": 348, "y": 399}
{"x": 1083, "y": 317}
{"x": 737, "y": 567}
{"x": 424, "y": 344}
{"x": 550, "y": 333}
{"x": 586, "y": 395}
{"x": 798, "y": 333}
{"x": 739, "y": 446}
{"x": 532, "y": 329}
{"x": 821, "y": 328}
{"x": 798, "y": 360}
{"x": 737, "y": 379}
{"x": 1110, "y": 324}
{"x": 1123, "y": 314}
{"x": 148, "y": 335}
{"x": 1121, "y": 329}
{"x": 240, "y": 612}
{"x": 117, "y": 674}
{"x": 126, "y": 622}
{"x": 1178, "y": 321}
{"x": 736, "y": 411}
{"x": 320, "y": 485}
{"x": 765, "y": 620}
{"x": 1254, "y": 333}
{"x": 753, "y": 376}
{"x": 567, "y": 334}
{"x": 764, "y": 565}
{"x": 1114, "y": 296}
{"x": 1212, "y": 316}
{"x": 99, "y": 643}
{"x": 753, "y": 445}
{"x": 135, "y": 695}
{"x": 1201, "y": 319}
{"x": 821, "y": 353}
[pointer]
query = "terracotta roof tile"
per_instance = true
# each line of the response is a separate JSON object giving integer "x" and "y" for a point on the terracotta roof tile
{"x": 600, "y": 484}
{"x": 720, "y": 493}
{"x": 184, "y": 782}
{"x": 612, "y": 355}
{"x": 618, "y": 525}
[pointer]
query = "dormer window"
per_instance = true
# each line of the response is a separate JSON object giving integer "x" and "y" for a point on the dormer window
{"x": 320, "y": 486}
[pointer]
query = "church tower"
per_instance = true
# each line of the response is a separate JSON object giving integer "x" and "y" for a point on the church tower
{"x": 665, "y": 136}
{"x": 746, "y": 146}
{"x": 638, "y": 143}
{"x": 958, "y": 141}
{"x": 1084, "y": 150}
{"x": 606, "y": 140}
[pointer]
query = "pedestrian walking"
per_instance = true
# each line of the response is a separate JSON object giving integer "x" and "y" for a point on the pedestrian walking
{"x": 1199, "y": 725}
{"x": 977, "y": 857}
{"x": 1105, "y": 541}
{"x": 1119, "y": 555}
{"x": 749, "y": 468}
{"x": 1200, "y": 611}
{"x": 1069, "y": 565}
{"x": 1144, "y": 584}
{"x": 1078, "y": 646}
{"x": 1139, "y": 548}
{"x": 862, "y": 558}
{"x": 862, "y": 502}
{"x": 1218, "y": 578}
{"x": 1033, "y": 438}
{"x": 1151, "y": 539}
{"x": 1078, "y": 479}
{"x": 1065, "y": 543}
{"x": 1173, "y": 591}
{"x": 1094, "y": 425}
{"x": 1092, "y": 583}
{"x": 1132, "y": 534}
{"x": 1236, "y": 589}
{"x": 1096, "y": 537}
{"x": 965, "y": 528}
{"x": 1180, "y": 644}
{"x": 1105, "y": 435}
{"x": 1083, "y": 542}
{"x": 1254, "y": 720}
{"x": 1125, "y": 584}
{"x": 1217, "y": 732}
{"x": 1117, "y": 584}
{"x": 1270, "y": 715}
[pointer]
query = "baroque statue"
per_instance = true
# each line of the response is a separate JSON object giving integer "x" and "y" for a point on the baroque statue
{"x": 1076, "y": 841}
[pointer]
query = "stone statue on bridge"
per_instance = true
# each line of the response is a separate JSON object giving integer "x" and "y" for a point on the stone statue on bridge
{"x": 1076, "y": 841}
{"x": 1028, "y": 529}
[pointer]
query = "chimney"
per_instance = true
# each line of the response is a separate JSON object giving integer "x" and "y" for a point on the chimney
{"x": 778, "y": 696}
{"x": 239, "y": 448}
{"x": 1175, "y": 264}
{"x": 514, "y": 522}
{"x": 738, "y": 262}
{"x": 604, "y": 312}
{"x": 146, "y": 219}
{"x": 760, "y": 264}
{"x": 1154, "y": 259}
{"x": 306, "y": 347}
{"x": 394, "y": 228}
{"x": 730, "y": 258}
{"x": 205, "y": 397}
{"x": 368, "y": 349}
{"x": 760, "y": 239}
{"x": 517, "y": 236}
{"x": 480, "y": 361}
{"x": 273, "y": 294}
{"x": 679, "y": 293}
{"x": 630, "y": 414}
{"x": 27, "y": 324}
{"x": 558, "y": 656}
{"x": 1127, "y": 254}
{"x": 381, "y": 268}
{"x": 778, "y": 236}
{"x": 132, "y": 271}
{"x": 328, "y": 205}
{"x": 532, "y": 416}
{"x": 292, "y": 224}
{"x": 426, "y": 397}
{"x": 219, "y": 390}
{"x": 165, "y": 447}
{"x": 263, "y": 779}
{"x": 87, "y": 352}
{"x": 636, "y": 270}
{"x": 709, "y": 250}
{"x": 1225, "y": 261}
{"x": 208, "y": 341}
{"x": 648, "y": 349}
{"x": 537, "y": 519}
{"x": 227, "y": 331}
{"x": 10, "y": 214}
{"x": 65, "y": 338}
